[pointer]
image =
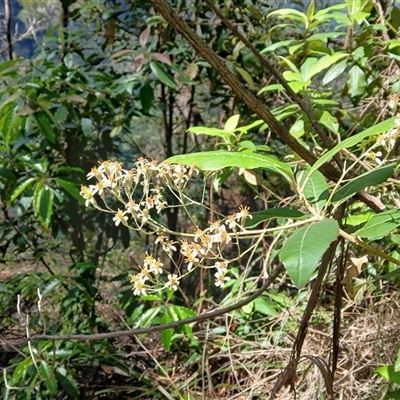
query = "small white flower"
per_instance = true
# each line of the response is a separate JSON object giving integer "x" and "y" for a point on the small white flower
{"x": 371, "y": 155}
{"x": 139, "y": 287}
{"x": 120, "y": 217}
{"x": 156, "y": 267}
{"x": 88, "y": 195}
{"x": 220, "y": 278}
{"x": 173, "y": 282}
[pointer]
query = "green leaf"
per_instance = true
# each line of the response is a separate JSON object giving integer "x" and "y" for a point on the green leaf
{"x": 216, "y": 160}
{"x": 380, "y": 225}
{"x": 290, "y": 14}
{"x": 20, "y": 371}
{"x": 71, "y": 188}
{"x": 50, "y": 381}
{"x": 6, "y": 175}
{"x": 356, "y": 81}
{"x": 146, "y": 96}
{"x": 248, "y": 144}
{"x": 245, "y": 75}
{"x": 315, "y": 189}
{"x": 265, "y": 306}
{"x": 21, "y": 187}
{"x": 353, "y": 140}
{"x": 302, "y": 252}
{"x": 146, "y": 319}
{"x": 261, "y": 216}
{"x": 324, "y": 63}
{"x": 331, "y": 122}
{"x": 278, "y": 45}
{"x": 200, "y": 130}
{"x": 370, "y": 178}
{"x": 87, "y": 127}
{"x": 397, "y": 362}
{"x": 44, "y": 124}
{"x": 166, "y": 334}
{"x": 388, "y": 372}
{"x": 269, "y": 88}
{"x": 231, "y": 123}
{"x": 159, "y": 71}
{"x": 43, "y": 203}
{"x": 68, "y": 385}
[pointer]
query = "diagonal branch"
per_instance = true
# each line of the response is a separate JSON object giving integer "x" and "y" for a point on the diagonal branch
{"x": 198, "y": 318}
{"x": 329, "y": 170}
{"x": 296, "y": 99}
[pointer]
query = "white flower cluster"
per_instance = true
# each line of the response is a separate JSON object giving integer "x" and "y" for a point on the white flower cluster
{"x": 148, "y": 179}
{"x": 122, "y": 183}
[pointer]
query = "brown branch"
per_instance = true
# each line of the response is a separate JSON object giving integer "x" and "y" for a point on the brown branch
{"x": 296, "y": 99}
{"x": 248, "y": 98}
{"x": 329, "y": 170}
{"x": 7, "y": 27}
{"x": 198, "y": 318}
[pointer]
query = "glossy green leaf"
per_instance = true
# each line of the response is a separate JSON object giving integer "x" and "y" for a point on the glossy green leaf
{"x": 324, "y": 63}
{"x": 7, "y": 175}
{"x": 232, "y": 123}
{"x": 370, "y": 178}
{"x": 397, "y": 362}
{"x": 21, "y": 188}
{"x": 260, "y": 216}
{"x": 160, "y": 72}
{"x": 166, "y": 334}
{"x": 356, "y": 81}
{"x": 289, "y": 13}
{"x": 277, "y": 45}
{"x": 380, "y": 225}
{"x": 44, "y": 124}
{"x": 87, "y": 127}
{"x": 200, "y": 130}
{"x": 49, "y": 379}
{"x": 334, "y": 72}
{"x": 269, "y": 88}
{"x": 248, "y": 144}
{"x": 43, "y": 203}
{"x": 315, "y": 189}
{"x": 146, "y": 96}
{"x": 388, "y": 372}
{"x": 328, "y": 120}
{"x": 20, "y": 371}
{"x": 353, "y": 140}
{"x": 245, "y": 75}
{"x": 67, "y": 384}
{"x": 302, "y": 252}
{"x": 146, "y": 319}
{"x": 71, "y": 188}
{"x": 216, "y": 160}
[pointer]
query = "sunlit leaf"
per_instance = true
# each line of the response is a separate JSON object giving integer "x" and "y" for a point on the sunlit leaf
{"x": 21, "y": 188}
{"x": 370, "y": 178}
{"x": 353, "y": 140}
{"x": 260, "y": 216}
{"x": 315, "y": 190}
{"x": 302, "y": 252}
{"x": 388, "y": 372}
{"x": 245, "y": 75}
{"x": 216, "y": 160}
{"x": 232, "y": 123}
{"x": 380, "y": 225}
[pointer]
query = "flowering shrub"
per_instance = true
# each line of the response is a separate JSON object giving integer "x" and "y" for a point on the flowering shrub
{"x": 202, "y": 248}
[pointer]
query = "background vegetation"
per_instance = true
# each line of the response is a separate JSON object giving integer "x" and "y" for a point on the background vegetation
{"x": 113, "y": 80}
